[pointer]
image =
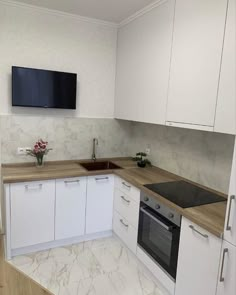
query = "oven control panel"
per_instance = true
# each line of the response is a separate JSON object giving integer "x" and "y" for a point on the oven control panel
{"x": 162, "y": 209}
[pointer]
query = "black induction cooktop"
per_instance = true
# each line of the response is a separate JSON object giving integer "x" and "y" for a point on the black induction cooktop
{"x": 184, "y": 194}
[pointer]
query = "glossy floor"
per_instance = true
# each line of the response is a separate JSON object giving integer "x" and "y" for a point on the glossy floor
{"x": 100, "y": 267}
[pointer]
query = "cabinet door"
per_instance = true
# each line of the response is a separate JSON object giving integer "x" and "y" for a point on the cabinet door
{"x": 198, "y": 262}
{"x": 143, "y": 61}
{"x": 230, "y": 220}
{"x": 226, "y": 104}
{"x": 32, "y": 213}
{"x": 99, "y": 208}
{"x": 70, "y": 207}
{"x": 227, "y": 273}
{"x": 195, "y": 63}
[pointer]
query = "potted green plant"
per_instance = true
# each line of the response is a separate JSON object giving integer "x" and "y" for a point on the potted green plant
{"x": 141, "y": 159}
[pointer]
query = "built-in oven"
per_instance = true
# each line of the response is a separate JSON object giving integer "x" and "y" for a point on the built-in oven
{"x": 159, "y": 233}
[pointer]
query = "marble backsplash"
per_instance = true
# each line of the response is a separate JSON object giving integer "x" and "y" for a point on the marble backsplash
{"x": 70, "y": 138}
{"x": 204, "y": 157}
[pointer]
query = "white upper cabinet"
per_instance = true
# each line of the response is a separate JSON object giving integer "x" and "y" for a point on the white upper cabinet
{"x": 230, "y": 222}
{"x": 226, "y": 105}
{"x": 195, "y": 64}
{"x": 70, "y": 207}
{"x": 143, "y": 61}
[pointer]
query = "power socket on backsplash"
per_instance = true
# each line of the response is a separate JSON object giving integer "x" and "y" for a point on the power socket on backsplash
{"x": 21, "y": 151}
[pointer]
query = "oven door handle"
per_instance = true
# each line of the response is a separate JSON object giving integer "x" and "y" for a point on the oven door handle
{"x": 169, "y": 228}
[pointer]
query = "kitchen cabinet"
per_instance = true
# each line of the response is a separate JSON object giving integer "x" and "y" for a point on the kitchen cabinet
{"x": 143, "y": 60}
{"x": 230, "y": 221}
{"x": 198, "y": 261}
{"x": 99, "y": 207}
{"x": 70, "y": 207}
{"x": 32, "y": 213}
{"x": 195, "y": 63}
{"x": 227, "y": 274}
{"x": 226, "y": 104}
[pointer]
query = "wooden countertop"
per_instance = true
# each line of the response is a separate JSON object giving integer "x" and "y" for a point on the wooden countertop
{"x": 211, "y": 217}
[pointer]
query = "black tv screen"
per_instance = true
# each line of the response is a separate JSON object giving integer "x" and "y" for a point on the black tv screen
{"x": 43, "y": 88}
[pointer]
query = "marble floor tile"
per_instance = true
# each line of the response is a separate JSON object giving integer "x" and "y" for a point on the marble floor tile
{"x": 99, "y": 267}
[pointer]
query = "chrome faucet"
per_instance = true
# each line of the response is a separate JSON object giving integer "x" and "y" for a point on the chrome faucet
{"x": 95, "y": 142}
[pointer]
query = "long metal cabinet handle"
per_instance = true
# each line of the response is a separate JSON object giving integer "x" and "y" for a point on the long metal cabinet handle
{"x": 231, "y": 198}
{"x": 71, "y": 181}
{"x": 33, "y": 187}
{"x": 156, "y": 220}
{"x": 122, "y": 222}
{"x": 194, "y": 229}
{"x": 222, "y": 265}
{"x": 128, "y": 186}
{"x": 124, "y": 199}
{"x": 101, "y": 178}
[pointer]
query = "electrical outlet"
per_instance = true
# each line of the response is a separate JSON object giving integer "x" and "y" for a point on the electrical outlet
{"x": 22, "y": 150}
{"x": 148, "y": 151}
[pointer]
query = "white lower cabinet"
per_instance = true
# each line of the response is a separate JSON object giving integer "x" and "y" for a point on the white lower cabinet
{"x": 32, "y": 213}
{"x": 99, "y": 207}
{"x": 70, "y": 207}
{"x": 227, "y": 274}
{"x": 198, "y": 262}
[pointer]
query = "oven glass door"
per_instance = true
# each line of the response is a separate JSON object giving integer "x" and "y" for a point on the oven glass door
{"x": 159, "y": 238}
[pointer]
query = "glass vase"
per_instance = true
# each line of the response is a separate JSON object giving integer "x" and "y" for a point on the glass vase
{"x": 39, "y": 161}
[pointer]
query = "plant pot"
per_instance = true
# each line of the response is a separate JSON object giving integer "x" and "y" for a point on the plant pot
{"x": 141, "y": 164}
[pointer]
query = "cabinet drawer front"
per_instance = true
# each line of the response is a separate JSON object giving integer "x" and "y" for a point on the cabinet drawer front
{"x": 70, "y": 207}
{"x": 126, "y": 207}
{"x": 127, "y": 188}
{"x": 126, "y": 232}
{"x": 32, "y": 213}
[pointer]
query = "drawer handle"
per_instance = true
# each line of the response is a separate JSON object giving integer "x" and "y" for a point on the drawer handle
{"x": 123, "y": 223}
{"x": 33, "y": 187}
{"x": 228, "y": 227}
{"x": 128, "y": 186}
{"x": 222, "y": 265}
{"x": 194, "y": 229}
{"x": 71, "y": 181}
{"x": 124, "y": 199}
{"x": 101, "y": 178}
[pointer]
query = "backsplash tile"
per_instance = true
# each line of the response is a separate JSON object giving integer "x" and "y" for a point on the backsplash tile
{"x": 203, "y": 157}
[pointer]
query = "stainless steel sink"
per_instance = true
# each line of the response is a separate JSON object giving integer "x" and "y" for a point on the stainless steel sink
{"x": 99, "y": 165}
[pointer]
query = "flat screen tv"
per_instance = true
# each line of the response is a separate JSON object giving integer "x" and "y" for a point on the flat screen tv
{"x": 43, "y": 88}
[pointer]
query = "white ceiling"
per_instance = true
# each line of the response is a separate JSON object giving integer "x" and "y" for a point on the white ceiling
{"x": 108, "y": 10}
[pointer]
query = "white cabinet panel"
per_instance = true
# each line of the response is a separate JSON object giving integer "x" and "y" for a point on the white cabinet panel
{"x": 143, "y": 60}
{"x": 126, "y": 232}
{"x": 126, "y": 207}
{"x": 198, "y": 262}
{"x": 227, "y": 273}
{"x": 99, "y": 208}
{"x": 195, "y": 63}
{"x": 127, "y": 188}
{"x": 70, "y": 207}
{"x": 226, "y": 105}
{"x": 32, "y": 213}
{"x": 230, "y": 222}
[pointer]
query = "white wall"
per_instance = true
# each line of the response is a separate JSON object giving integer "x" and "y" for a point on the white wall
{"x": 39, "y": 39}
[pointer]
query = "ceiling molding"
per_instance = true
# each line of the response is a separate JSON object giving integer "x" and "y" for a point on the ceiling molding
{"x": 141, "y": 12}
{"x": 58, "y": 13}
